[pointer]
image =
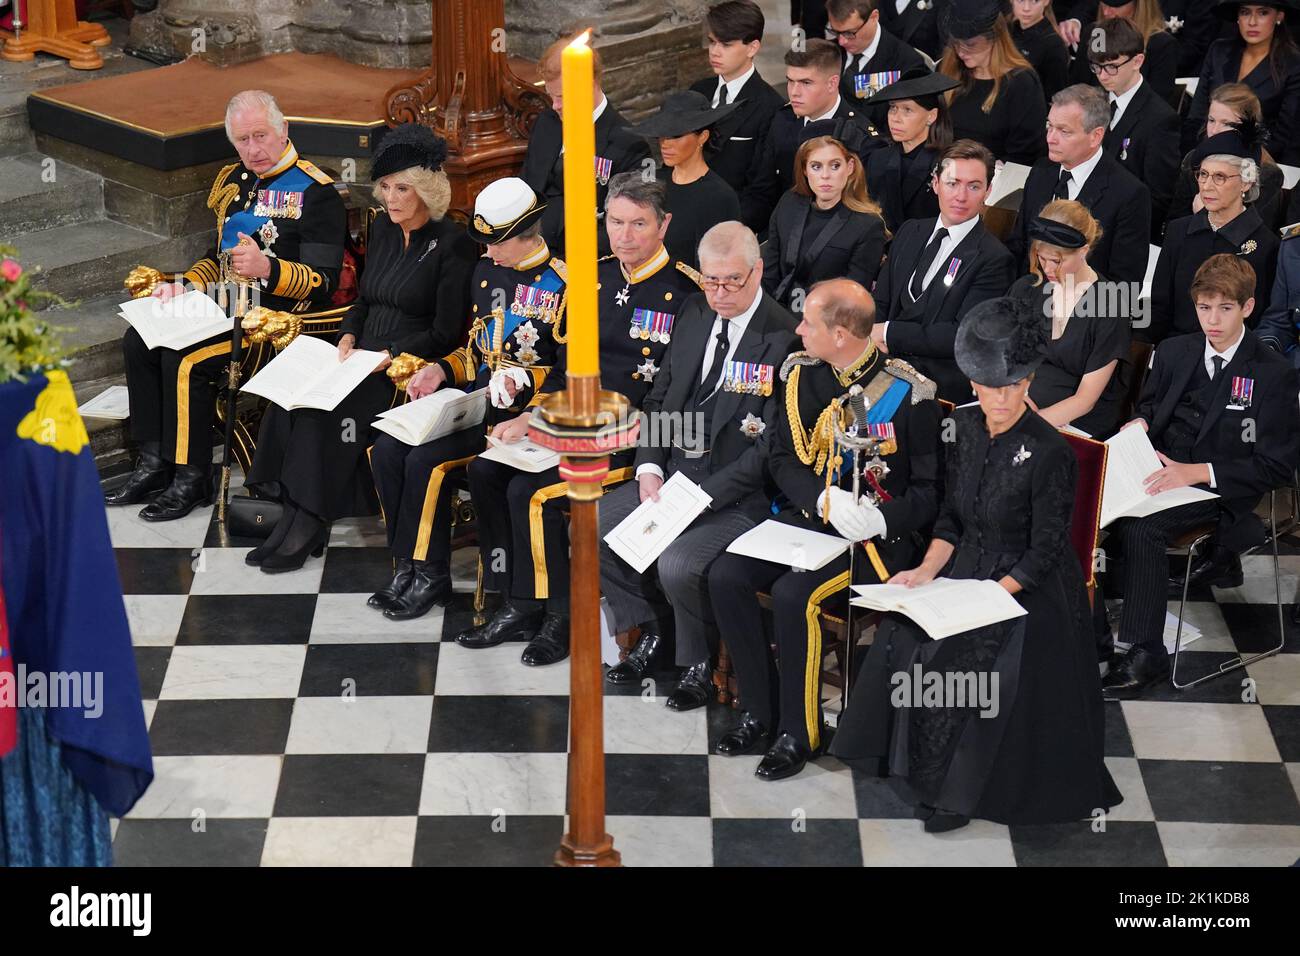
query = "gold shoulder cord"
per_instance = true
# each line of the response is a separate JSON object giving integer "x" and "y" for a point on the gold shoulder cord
{"x": 816, "y": 448}
{"x": 221, "y": 196}
{"x": 559, "y": 318}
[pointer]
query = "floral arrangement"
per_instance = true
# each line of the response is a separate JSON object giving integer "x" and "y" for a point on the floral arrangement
{"x": 28, "y": 345}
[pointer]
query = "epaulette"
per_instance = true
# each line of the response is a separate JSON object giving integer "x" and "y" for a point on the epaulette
{"x": 607, "y": 258}
{"x": 225, "y": 171}
{"x": 797, "y": 358}
{"x": 922, "y": 387}
{"x": 1291, "y": 231}
{"x": 560, "y": 268}
{"x": 690, "y": 273}
{"x": 314, "y": 171}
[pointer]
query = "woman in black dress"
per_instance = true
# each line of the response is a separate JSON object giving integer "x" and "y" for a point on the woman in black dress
{"x": 1089, "y": 320}
{"x": 698, "y": 198}
{"x": 999, "y": 100}
{"x": 1231, "y": 105}
{"x": 898, "y": 176}
{"x": 1033, "y": 753}
{"x": 414, "y": 297}
{"x": 1160, "y": 68}
{"x": 1227, "y": 168}
{"x": 824, "y": 227}
{"x": 1262, "y": 55}
{"x": 1033, "y": 30}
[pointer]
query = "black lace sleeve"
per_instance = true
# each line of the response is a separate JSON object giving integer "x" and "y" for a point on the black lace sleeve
{"x": 1052, "y": 505}
{"x": 947, "y": 527}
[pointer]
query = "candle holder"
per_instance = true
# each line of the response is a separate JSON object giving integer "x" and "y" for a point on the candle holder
{"x": 585, "y": 424}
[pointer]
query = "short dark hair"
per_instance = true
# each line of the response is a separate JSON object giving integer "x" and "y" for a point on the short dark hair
{"x": 644, "y": 192}
{"x": 736, "y": 20}
{"x": 817, "y": 55}
{"x": 1224, "y": 275}
{"x": 968, "y": 149}
{"x": 841, "y": 9}
{"x": 1113, "y": 38}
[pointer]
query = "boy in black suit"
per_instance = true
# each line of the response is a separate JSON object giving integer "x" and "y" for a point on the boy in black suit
{"x": 735, "y": 30}
{"x": 1143, "y": 131}
{"x": 1220, "y": 409}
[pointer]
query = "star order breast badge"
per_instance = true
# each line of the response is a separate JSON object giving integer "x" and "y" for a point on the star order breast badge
{"x": 526, "y": 335}
{"x": 752, "y": 426}
{"x": 526, "y": 356}
{"x": 648, "y": 370}
{"x": 269, "y": 232}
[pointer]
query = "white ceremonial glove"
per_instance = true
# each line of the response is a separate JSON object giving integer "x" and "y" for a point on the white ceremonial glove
{"x": 497, "y": 385}
{"x": 845, "y": 515}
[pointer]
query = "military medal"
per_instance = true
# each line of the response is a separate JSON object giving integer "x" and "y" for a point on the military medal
{"x": 648, "y": 370}
{"x": 752, "y": 426}
{"x": 748, "y": 378}
{"x": 623, "y": 294}
{"x": 1123, "y": 148}
{"x": 1243, "y": 390}
{"x": 532, "y": 301}
{"x": 604, "y": 167}
{"x": 952, "y": 271}
{"x": 654, "y": 326}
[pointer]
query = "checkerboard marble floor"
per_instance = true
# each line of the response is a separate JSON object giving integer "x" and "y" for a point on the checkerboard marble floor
{"x": 293, "y": 725}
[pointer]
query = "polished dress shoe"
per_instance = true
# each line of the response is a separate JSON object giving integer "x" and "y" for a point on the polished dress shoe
{"x": 750, "y": 737}
{"x": 941, "y": 821}
{"x": 785, "y": 758}
{"x": 151, "y": 476}
{"x": 190, "y": 488}
{"x": 1133, "y": 673}
{"x": 307, "y": 535}
{"x": 426, "y": 589}
{"x": 646, "y": 656}
{"x": 551, "y": 643}
{"x": 1220, "y": 568}
{"x": 694, "y": 689}
{"x": 510, "y": 621}
{"x": 383, "y": 599}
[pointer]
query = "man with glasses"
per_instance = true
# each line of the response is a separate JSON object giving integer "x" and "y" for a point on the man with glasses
{"x": 872, "y": 58}
{"x": 938, "y": 269}
{"x": 1078, "y": 168}
{"x": 1142, "y": 135}
{"x": 717, "y": 394}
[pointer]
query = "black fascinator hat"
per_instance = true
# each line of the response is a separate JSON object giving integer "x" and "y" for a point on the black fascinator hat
{"x": 406, "y": 146}
{"x": 1001, "y": 341}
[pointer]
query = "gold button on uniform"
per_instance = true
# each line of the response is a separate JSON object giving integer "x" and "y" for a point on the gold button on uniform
{"x": 636, "y": 375}
{"x": 483, "y": 284}
{"x": 646, "y": 350}
{"x": 668, "y": 296}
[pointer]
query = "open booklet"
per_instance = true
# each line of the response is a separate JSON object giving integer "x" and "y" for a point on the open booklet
{"x": 944, "y": 606}
{"x": 789, "y": 544}
{"x": 521, "y": 455}
{"x": 643, "y": 535}
{"x": 179, "y": 322}
{"x": 445, "y": 411}
{"x": 1130, "y": 460}
{"x": 308, "y": 374}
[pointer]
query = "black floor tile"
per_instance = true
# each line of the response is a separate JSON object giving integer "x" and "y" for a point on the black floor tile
{"x": 156, "y": 570}
{"x": 1284, "y": 721}
{"x": 878, "y": 799}
{"x": 151, "y": 662}
{"x": 1118, "y": 743}
{"x": 1082, "y": 844}
{"x": 1197, "y": 791}
{"x": 487, "y": 841}
{"x": 505, "y": 724}
{"x": 369, "y": 670}
{"x": 198, "y": 727}
{"x": 247, "y": 619}
{"x": 356, "y": 570}
{"x": 174, "y": 843}
{"x": 1193, "y": 665}
{"x": 1254, "y": 626}
{"x": 657, "y": 785}
{"x": 335, "y": 785}
{"x": 777, "y": 843}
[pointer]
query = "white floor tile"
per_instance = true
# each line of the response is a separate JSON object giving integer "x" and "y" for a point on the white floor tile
{"x": 340, "y": 841}
{"x": 154, "y": 619}
{"x": 905, "y": 843}
{"x": 662, "y": 841}
{"x": 496, "y": 670}
{"x": 823, "y": 789}
{"x": 638, "y": 725}
{"x": 360, "y": 725}
{"x": 1175, "y": 730}
{"x": 223, "y": 571}
{"x": 234, "y": 672}
{"x": 492, "y": 784}
{"x": 347, "y": 619}
{"x": 1224, "y": 844}
{"x": 219, "y": 787}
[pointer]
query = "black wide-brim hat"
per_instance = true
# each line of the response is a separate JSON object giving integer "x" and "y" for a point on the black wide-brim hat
{"x": 1001, "y": 341}
{"x": 917, "y": 84}
{"x": 968, "y": 19}
{"x": 1228, "y": 9}
{"x": 682, "y": 113}
{"x": 405, "y": 147}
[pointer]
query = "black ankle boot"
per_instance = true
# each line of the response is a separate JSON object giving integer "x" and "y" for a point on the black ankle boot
{"x": 191, "y": 488}
{"x": 274, "y": 539}
{"x": 151, "y": 476}
{"x": 427, "y": 588}
{"x": 386, "y": 596}
{"x": 306, "y": 535}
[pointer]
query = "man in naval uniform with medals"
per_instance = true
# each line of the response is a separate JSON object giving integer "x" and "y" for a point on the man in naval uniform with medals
{"x": 781, "y": 715}
{"x": 283, "y": 224}
{"x": 639, "y": 292}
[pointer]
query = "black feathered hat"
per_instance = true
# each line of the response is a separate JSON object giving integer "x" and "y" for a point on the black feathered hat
{"x": 968, "y": 19}
{"x": 1001, "y": 341}
{"x": 1244, "y": 138}
{"x": 406, "y": 146}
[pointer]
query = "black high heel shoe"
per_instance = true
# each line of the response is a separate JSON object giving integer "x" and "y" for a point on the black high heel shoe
{"x": 274, "y": 539}
{"x": 307, "y": 535}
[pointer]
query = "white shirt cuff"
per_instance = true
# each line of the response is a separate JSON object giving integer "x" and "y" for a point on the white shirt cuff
{"x": 1211, "y": 469}
{"x": 650, "y": 469}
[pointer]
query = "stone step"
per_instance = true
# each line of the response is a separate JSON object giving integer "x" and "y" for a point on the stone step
{"x": 15, "y": 135}
{"x": 37, "y": 192}
{"x": 92, "y": 335}
{"x": 88, "y": 258}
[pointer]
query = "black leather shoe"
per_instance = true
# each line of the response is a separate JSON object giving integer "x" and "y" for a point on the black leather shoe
{"x": 1220, "y": 568}
{"x": 273, "y": 540}
{"x": 386, "y": 596}
{"x": 550, "y": 645}
{"x": 694, "y": 689}
{"x": 427, "y": 588}
{"x": 922, "y": 811}
{"x": 190, "y": 488}
{"x": 151, "y": 476}
{"x": 785, "y": 758}
{"x": 750, "y": 737}
{"x": 941, "y": 821}
{"x": 1133, "y": 673}
{"x": 648, "y": 655}
{"x": 510, "y": 621}
{"x": 291, "y": 560}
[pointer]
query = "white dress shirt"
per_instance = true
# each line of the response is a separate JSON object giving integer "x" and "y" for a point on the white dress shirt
{"x": 901, "y": 5}
{"x": 950, "y": 242}
{"x": 855, "y": 65}
{"x": 732, "y": 86}
{"x": 1079, "y": 175}
{"x": 1226, "y": 355}
{"x": 1122, "y": 101}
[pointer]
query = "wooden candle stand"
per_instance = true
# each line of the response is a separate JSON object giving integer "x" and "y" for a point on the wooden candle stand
{"x": 52, "y": 27}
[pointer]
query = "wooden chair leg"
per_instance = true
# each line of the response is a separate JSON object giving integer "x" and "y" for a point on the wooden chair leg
{"x": 722, "y": 675}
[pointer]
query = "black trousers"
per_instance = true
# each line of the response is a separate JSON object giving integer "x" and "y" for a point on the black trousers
{"x": 1145, "y": 569}
{"x": 174, "y": 395}
{"x": 523, "y": 539}
{"x": 415, "y": 494}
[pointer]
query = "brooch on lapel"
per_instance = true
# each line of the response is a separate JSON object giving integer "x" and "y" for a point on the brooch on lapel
{"x": 433, "y": 244}
{"x": 1243, "y": 390}
{"x": 1173, "y": 24}
{"x": 1021, "y": 456}
{"x": 924, "y": 4}
{"x": 952, "y": 271}
{"x": 1123, "y": 148}
{"x": 1247, "y": 247}
{"x": 752, "y": 426}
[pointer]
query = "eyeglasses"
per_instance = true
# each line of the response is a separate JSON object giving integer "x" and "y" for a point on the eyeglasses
{"x": 1110, "y": 69}
{"x": 1219, "y": 179}
{"x": 710, "y": 284}
{"x": 846, "y": 34}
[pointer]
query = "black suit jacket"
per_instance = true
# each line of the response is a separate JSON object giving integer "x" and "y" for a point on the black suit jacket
{"x": 891, "y": 54}
{"x": 1280, "y": 101}
{"x": 1251, "y": 450}
{"x": 734, "y": 472}
{"x": 740, "y": 135}
{"x": 902, "y": 184}
{"x": 1116, "y": 199}
{"x": 850, "y": 245}
{"x": 919, "y": 28}
{"x": 922, "y": 332}
{"x": 1145, "y": 142}
{"x": 1160, "y": 68}
{"x": 543, "y": 168}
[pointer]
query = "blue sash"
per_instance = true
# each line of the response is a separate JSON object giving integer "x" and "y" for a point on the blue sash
{"x": 550, "y": 282}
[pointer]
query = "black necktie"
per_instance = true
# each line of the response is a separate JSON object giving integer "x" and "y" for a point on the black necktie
{"x": 1217, "y": 362}
{"x": 927, "y": 259}
{"x": 1062, "y": 185}
{"x": 715, "y": 368}
{"x": 720, "y": 94}
{"x": 1114, "y": 108}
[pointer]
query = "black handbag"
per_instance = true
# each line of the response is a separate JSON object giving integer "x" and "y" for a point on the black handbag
{"x": 248, "y": 517}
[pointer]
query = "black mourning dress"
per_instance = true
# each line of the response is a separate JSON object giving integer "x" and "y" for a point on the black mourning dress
{"x": 696, "y": 208}
{"x": 413, "y": 299}
{"x": 900, "y": 182}
{"x": 1013, "y": 127}
{"x": 1007, "y": 508}
{"x": 1097, "y": 334}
